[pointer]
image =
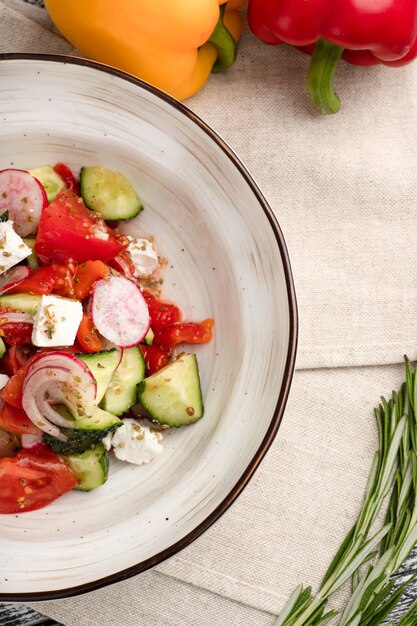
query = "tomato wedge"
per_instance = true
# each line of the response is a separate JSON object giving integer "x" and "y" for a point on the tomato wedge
{"x": 86, "y": 275}
{"x": 16, "y": 421}
{"x": 155, "y": 358}
{"x": 68, "y": 177}
{"x": 64, "y": 282}
{"x": 40, "y": 282}
{"x": 12, "y": 391}
{"x": 161, "y": 313}
{"x": 68, "y": 230}
{"x": 186, "y": 332}
{"x": 33, "y": 479}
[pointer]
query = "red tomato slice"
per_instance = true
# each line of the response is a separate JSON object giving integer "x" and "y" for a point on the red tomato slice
{"x": 16, "y": 421}
{"x": 33, "y": 479}
{"x": 68, "y": 230}
{"x": 68, "y": 177}
{"x": 155, "y": 358}
{"x": 185, "y": 332}
{"x": 41, "y": 282}
{"x": 86, "y": 275}
{"x": 161, "y": 313}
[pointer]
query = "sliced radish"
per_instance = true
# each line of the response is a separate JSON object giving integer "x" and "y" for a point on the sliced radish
{"x": 13, "y": 277}
{"x": 119, "y": 311}
{"x": 24, "y": 198}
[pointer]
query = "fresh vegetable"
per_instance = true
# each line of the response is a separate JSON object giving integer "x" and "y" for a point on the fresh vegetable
{"x": 121, "y": 391}
{"x": 86, "y": 274}
{"x": 25, "y": 303}
{"x": 393, "y": 474}
{"x": 88, "y": 335}
{"x": 60, "y": 307}
{"x": 90, "y": 468}
{"x": 68, "y": 177}
{"x": 13, "y": 277}
{"x": 32, "y": 260}
{"x": 87, "y": 432}
{"x": 155, "y": 358}
{"x": 363, "y": 33}
{"x": 172, "y": 44}
{"x": 119, "y": 311}
{"x": 40, "y": 282}
{"x": 15, "y": 420}
{"x": 15, "y": 327}
{"x": 161, "y": 313}
{"x": 49, "y": 179}
{"x": 24, "y": 198}
{"x": 173, "y": 396}
{"x": 185, "y": 332}
{"x": 102, "y": 365}
{"x": 109, "y": 192}
{"x": 57, "y": 378}
{"x": 33, "y": 479}
{"x": 68, "y": 230}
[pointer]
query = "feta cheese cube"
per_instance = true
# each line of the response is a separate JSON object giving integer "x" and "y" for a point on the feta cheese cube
{"x": 134, "y": 442}
{"x": 12, "y": 247}
{"x": 143, "y": 255}
{"x": 56, "y": 322}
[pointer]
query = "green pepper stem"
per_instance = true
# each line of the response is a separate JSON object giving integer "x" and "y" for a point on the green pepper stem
{"x": 222, "y": 39}
{"x": 320, "y": 76}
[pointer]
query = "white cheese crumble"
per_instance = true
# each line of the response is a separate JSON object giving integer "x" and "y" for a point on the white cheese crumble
{"x": 143, "y": 255}
{"x": 3, "y": 380}
{"x": 134, "y": 442}
{"x": 56, "y": 322}
{"x": 12, "y": 247}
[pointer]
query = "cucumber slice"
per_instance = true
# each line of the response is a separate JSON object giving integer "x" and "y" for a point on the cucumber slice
{"x": 24, "y": 302}
{"x": 88, "y": 432}
{"x": 2, "y": 348}
{"x": 91, "y": 467}
{"x": 122, "y": 390}
{"x": 49, "y": 179}
{"x": 31, "y": 260}
{"x": 108, "y": 192}
{"x": 149, "y": 337}
{"x": 172, "y": 396}
{"x": 102, "y": 365}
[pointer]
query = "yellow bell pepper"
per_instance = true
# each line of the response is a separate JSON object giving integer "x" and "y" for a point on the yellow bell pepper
{"x": 172, "y": 44}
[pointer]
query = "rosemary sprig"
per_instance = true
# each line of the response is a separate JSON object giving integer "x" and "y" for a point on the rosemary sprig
{"x": 394, "y": 471}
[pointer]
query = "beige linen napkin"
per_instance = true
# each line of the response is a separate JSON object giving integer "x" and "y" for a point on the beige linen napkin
{"x": 281, "y": 531}
{"x": 343, "y": 188}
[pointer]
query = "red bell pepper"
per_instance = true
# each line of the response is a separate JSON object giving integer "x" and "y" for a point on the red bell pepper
{"x": 363, "y": 32}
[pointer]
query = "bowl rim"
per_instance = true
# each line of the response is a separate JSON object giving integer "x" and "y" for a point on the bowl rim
{"x": 289, "y": 363}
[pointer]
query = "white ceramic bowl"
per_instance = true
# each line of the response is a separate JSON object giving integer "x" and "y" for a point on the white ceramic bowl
{"x": 227, "y": 259}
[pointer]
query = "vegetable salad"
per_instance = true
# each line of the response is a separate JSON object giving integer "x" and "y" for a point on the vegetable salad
{"x": 89, "y": 366}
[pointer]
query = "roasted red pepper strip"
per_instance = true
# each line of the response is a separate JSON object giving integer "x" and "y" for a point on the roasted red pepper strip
{"x": 40, "y": 282}
{"x": 184, "y": 332}
{"x": 155, "y": 358}
{"x": 86, "y": 275}
{"x": 161, "y": 313}
{"x": 88, "y": 336}
{"x": 363, "y": 33}
{"x": 68, "y": 177}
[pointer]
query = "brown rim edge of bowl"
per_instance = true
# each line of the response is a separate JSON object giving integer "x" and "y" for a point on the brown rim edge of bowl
{"x": 289, "y": 364}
